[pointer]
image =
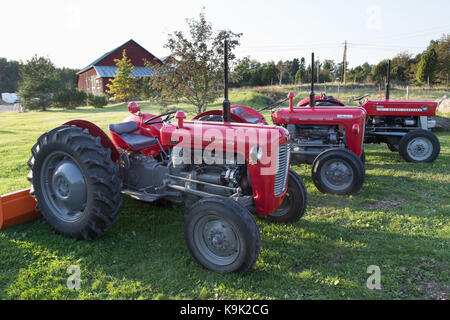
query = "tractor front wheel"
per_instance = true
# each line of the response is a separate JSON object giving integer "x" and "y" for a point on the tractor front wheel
{"x": 294, "y": 204}
{"x": 222, "y": 235}
{"x": 419, "y": 146}
{"x": 75, "y": 183}
{"x": 338, "y": 171}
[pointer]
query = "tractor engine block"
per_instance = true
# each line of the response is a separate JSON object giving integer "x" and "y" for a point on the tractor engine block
{"x": 308, "y": 141}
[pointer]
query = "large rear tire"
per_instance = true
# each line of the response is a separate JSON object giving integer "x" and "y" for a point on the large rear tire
{"x": 419, "y": 146}
{"x": 338, "y": 171}
{"x": 222, "y": 235}
{"x": 295, "y": 201}
{"x": 75, "y": 183}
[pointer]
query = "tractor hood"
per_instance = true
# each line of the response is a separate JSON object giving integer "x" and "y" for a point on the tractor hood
{"x": 263, "y": 149}
{"x": 202, "y": 134}
{"x": 320, "y": 115}
{"x": 400, "y": 107}
{"x": 351, "y": 119}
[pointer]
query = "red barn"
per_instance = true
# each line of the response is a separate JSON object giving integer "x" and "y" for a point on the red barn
{"x": 94, "y": 77}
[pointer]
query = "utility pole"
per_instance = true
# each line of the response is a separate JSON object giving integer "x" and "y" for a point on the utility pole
{"x": 344, "y": 64}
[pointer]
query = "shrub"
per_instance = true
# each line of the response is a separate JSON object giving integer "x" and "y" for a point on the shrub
{"x": 70, "y": 98}
{"x": 97, "y": 101}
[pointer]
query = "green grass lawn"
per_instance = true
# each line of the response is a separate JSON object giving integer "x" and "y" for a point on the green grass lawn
{"x": 399, "y": 222}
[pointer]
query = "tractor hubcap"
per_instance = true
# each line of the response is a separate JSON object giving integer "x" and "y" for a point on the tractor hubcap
{"x": 419, "y": 148}
{"x": 63, "y": 186}
{"x": 337, "y": 174}
{"x": 217, "y": 240}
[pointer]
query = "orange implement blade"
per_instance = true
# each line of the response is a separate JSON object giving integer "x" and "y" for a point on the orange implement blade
{"x": 17, "y": 207}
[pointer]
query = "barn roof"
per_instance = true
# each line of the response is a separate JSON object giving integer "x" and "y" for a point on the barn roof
{"x": 92, "y": 64}
{"x": 110, "y": 71}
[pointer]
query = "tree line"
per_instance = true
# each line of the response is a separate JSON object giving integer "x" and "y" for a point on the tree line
{"x": 432, "y": 66}
{"x": 10, "y": 75}
{"x": 194, "y": 72}
{"x": 40, "y": 85}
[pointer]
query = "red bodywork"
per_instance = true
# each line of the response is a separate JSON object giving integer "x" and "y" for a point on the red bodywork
{"x": 351, "y": 119}
{"x": 406, "y": 108}
{"x": 203, "y": 134}
{"x": 383, "y": 107}
{"x": 236, "y": 133}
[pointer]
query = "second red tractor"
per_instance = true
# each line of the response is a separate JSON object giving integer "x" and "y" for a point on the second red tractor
{"x": 330, "y": 138}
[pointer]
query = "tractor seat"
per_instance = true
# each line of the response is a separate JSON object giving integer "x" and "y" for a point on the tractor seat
{"x": 134, "y": 140}
{"x": 239, "y": 112}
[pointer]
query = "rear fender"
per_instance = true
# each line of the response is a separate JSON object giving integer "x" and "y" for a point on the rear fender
{"x": 95, "y": 131}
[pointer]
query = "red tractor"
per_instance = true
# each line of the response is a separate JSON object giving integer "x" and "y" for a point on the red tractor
{"x": 404, "y": 125}
{"x": 222, "y": 171}
{"x": 331, "y": 138}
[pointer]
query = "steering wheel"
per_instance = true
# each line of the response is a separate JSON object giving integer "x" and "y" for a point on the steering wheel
{"x": 272, "y": 106}
{"x": 360, "y": 97}
{"x": 167, "y": 118}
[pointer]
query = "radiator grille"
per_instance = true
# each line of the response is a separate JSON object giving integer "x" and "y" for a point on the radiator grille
{"x": 282, "y": 169}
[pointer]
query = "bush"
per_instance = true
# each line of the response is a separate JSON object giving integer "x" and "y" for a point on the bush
{"x": 97, "y": 101}
{"x": 70, "y": 98}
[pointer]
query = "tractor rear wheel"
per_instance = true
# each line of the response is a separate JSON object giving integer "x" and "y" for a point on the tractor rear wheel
{"x": 419, "y": 146}
{"x": 338, "y": 171}
{"x": 75, "y": 183}
{"x": 294, "y": 204}
{"x": 222, "y": 235}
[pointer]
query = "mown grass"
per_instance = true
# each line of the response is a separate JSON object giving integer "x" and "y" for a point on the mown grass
{"x": 399, "y": 222}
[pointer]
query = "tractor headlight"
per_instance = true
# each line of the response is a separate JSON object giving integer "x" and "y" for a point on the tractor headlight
{"x": 255, "y": 154}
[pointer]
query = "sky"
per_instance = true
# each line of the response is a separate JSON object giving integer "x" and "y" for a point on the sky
{"x": 73, "y": 33}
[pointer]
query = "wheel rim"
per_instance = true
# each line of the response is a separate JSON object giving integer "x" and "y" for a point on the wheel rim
{"x": 285, "y": 206}
{"x": 419, "y": 148}
{"x": 337, "y": 174}
{"x": 217, "y": 239}
{"x": 63, "y": 186}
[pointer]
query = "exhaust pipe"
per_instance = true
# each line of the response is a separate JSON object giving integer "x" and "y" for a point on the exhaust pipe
{"x": 226, "y": 103}
{"x": 388, "y": 80}
{"x": 312, "y": 95}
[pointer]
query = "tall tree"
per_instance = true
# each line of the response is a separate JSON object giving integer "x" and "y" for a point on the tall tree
{"x": 300, "y": 75}
{"x": 269, "y": 73}
{"x": 426, "y": 66}
{"x": 39, "y": 81}
{"x": 401, "y": 67}
{"x": 294, "y": 65}
{"x": 123, "y": 87}
{"x": 9, "y": 75}
{"x": 442, "y": 48}
{"x": 283, "y": 67}
{"x": 67, "y": 78}
{"x": 196, "y": 75}
{"x": 379, "y": 71}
